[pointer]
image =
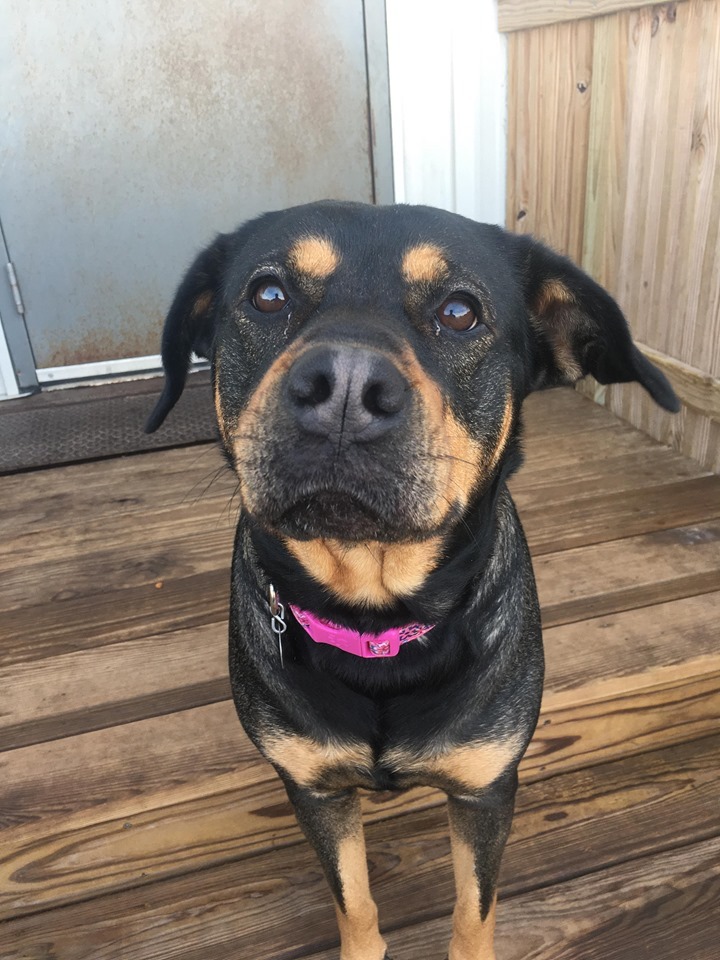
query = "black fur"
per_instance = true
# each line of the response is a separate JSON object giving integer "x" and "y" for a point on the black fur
{"x": 477, "y": 676}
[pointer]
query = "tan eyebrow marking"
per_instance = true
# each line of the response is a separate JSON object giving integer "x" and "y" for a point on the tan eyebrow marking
{"x": 424, "y": 263}
{"x": 315, "y": 256}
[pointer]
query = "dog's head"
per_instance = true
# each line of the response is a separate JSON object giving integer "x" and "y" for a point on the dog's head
{"x": 369, "y": 363}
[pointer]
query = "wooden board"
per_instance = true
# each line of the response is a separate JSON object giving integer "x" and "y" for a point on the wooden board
{"x": 591, "y": 714}
{"x": 526, "y": 14}
{"x": 136, "y": 816}
{"x": 634, "y": 572}
{"x": 576, "y": 824}
{"x": 550, "y": 88}
{"x": 639, "y": 178}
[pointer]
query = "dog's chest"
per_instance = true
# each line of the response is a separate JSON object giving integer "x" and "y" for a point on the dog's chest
{"x": 464, "y": 767}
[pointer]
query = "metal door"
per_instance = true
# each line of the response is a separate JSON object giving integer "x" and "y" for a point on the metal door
{"x": 136, "y": 129}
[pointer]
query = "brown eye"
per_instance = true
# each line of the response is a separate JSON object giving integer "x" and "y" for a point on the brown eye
{"x": 269, "y": 296}
{"x": 457, "y": 314}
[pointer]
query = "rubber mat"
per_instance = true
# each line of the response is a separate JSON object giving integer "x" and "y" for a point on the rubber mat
{"x": 91, "y": 423}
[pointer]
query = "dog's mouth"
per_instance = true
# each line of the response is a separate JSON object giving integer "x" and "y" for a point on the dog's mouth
{"x": 334, "y": 515}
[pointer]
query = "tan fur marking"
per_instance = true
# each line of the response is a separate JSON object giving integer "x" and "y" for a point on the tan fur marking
{"x": 552, "y": 293}
{"x": 374, "y": 574}
{"x": 477, "y": 765}
{"x": 219, "y": 414}
{"x": 472, "y": 766}
{"x": 424, "y": 263}
{"x": 503, "y": 435}
{"x": 472, "y": 937}
{"x": 456, "y": 455}
{"x": 244, "y": 434}
{"x": 556, "y": 314}
{"x": 305, "y": 759}
{"x": 358, "y": 923}
{"x": 315, "y": 256}
{"x": 202, "y": 304}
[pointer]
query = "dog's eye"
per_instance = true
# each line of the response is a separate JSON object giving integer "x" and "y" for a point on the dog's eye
{"x": 457, "y": 313}
{"x": 269, "y": 296}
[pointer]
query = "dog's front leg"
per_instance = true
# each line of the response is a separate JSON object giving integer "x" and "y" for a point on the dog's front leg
{"x": 333, "y": 825}
{"x": 479, "y": 827}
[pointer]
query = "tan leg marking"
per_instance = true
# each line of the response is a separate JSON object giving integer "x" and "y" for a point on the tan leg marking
{"x": 472, "y": 937}
{"x": 314, "y": 256}
{"x": 358, "y": 922}
{"x": 373, "y": 574}
{"x": 305, "y": 759}
{"x": 424, "y": 263}
{"x": 472, "y": 767}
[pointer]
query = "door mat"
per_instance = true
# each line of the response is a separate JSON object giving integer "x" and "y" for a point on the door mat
{"x": 91, "y": 423}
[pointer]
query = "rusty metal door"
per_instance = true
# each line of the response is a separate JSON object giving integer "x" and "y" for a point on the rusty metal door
{"x": 136, "y": 129}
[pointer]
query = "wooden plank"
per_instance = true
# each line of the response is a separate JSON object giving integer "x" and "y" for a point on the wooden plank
{"x": 664, "y": 907}
{"x": 574, "y": 732}
{"x": 607, "y": 162}
{"x": 574, "y": 824}
{"x": 120, "y": 565}
{"x": 102, "y": 687}
{"x": 45, "y": 499}
{"x": 624, "y": 574}
{"x": 649, "y": 467}
{"x": 146, "y": 764}
{"x": 145, "y": 529}
{"x": 662, "y": 206}
{"x": 611, "y": 516}
{"x": 607, "y": 656}
{"x": 529, "y": 14}
{"x": 696, "y": 389}
{"x": 113, "y": 616}
{"x": 551, "y": 82}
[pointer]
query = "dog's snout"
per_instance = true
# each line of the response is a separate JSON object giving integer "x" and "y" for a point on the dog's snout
{"x": 354, "y": 393}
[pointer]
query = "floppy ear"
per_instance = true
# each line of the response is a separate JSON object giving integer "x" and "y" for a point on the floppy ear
{"x": 579, "y": 329}
{"x": 190, "y": 325}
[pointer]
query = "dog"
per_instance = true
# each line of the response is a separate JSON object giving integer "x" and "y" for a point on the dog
{"x": 369, "y": 366}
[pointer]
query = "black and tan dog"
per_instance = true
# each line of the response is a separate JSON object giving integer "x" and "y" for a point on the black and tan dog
{"x": 369, "y": 368}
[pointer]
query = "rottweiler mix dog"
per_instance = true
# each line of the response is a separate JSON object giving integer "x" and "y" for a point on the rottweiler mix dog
{"x": 369, "y": 368}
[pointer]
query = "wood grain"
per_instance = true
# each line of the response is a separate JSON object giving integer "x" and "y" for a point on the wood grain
{"x": 652, "y": 237}
{"x": 572, "y": 825}
{"x": 635, "y": 572}
{"x": 551, "y": 87}
{"x": 135, "y": 814}
{"x": 660, "y": 707}
{"x": 696, "y": 389}
{"x": 664, "y": 907}
{"x": 528, "y": 14}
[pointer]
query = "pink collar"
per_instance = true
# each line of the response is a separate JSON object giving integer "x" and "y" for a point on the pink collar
{"x": 371, "y": 645}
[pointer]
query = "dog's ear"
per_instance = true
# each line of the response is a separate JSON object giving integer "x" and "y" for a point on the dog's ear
{"x": 190, "y": 325}
{"x": 579, "y": 329}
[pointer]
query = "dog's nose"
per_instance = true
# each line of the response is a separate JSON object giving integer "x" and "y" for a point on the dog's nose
{"x": 352, "y": 393}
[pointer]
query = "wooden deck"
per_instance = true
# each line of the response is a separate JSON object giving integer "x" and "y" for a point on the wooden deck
{"x": 137, "y": 822}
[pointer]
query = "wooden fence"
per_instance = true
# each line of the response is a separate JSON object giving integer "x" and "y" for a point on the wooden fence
{"x": 614, "y": 159}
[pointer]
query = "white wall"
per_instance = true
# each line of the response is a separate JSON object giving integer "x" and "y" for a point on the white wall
{"x": 448, "y": 98}
{"x": 8, "y": 383}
